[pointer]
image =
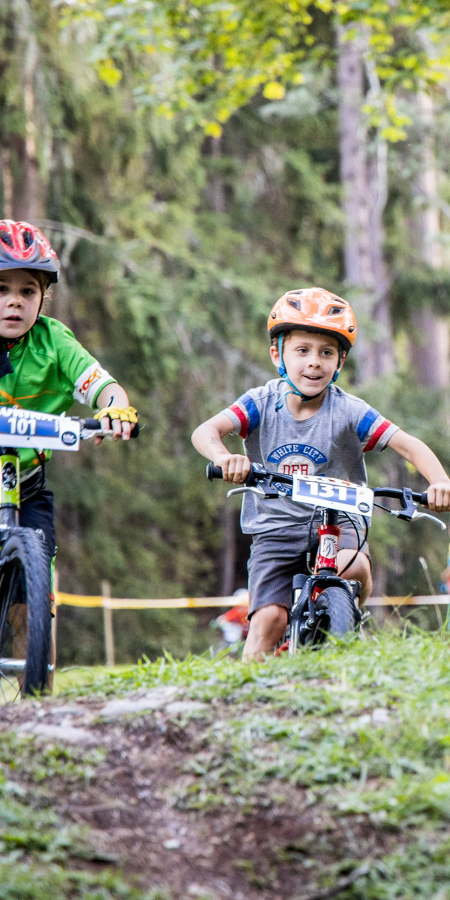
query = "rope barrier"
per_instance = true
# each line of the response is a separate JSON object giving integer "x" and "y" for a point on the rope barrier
{"x": 104, "y": 602}
{"x": 176, "y": 603}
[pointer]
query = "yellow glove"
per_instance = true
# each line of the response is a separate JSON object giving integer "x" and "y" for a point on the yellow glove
{"x": 124, "y": 413}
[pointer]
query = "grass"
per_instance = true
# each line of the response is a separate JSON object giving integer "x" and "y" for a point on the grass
{"x": 360, "y": 729}
{"x": 76, "y": 676}
{"x": 39, "y": 858}
{"x": 345, "y": 715}
{"x": 364, "y": 727}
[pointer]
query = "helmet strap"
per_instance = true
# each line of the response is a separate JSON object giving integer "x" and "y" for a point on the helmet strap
{"x": 337, "y": 372}
{"x": 283, "y": 373}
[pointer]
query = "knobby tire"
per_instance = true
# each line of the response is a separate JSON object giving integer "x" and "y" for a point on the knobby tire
{"x": 341, "y": 612}
{"x": 25, "y": 619}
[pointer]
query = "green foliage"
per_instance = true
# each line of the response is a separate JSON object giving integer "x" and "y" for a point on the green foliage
{"x": 420, "y": 287}
{"x": 204, "y": 59}
{"x": 207, "y": 60}
{"x": 174, "y": 247}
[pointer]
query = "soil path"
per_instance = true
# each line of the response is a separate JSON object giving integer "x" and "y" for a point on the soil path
{"x": 139, "y": 803}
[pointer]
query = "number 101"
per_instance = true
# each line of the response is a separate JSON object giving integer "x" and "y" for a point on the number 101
{"x": 22, "y": 426}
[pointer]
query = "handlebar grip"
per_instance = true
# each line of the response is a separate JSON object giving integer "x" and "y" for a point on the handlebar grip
{"x": 423, "y": 499}
{"x": 95, "y": 425}
{"x": 213, "y": 472}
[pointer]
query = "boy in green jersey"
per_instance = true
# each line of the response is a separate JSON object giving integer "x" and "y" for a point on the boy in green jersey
{"x": 42, "y": 365}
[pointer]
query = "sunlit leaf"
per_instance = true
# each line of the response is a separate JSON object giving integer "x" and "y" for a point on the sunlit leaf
{"x": 274, "y": 91}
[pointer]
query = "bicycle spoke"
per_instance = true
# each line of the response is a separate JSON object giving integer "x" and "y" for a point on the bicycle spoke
{"x": 13, "y": 630}
{"x": 4, "y": 614}
{"x": 14, "y": 687}
{"x": 24, "y": 615}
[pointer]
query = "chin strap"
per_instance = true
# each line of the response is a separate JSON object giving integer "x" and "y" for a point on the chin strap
{"x": 283, "y": 373}
{"x": 5, "y": 346}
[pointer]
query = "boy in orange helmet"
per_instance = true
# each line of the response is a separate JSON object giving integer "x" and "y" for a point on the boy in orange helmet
{"x": 303, "y": 423}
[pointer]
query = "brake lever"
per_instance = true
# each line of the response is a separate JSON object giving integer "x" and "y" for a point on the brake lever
{"x": 422, "y": 515}
{"x": 415, "y": 515}
{"x": 265, "y": 495}
{"x": 86, "y": 434}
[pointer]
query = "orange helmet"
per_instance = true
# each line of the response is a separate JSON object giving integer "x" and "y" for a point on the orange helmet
{"x": 314, "y": 309}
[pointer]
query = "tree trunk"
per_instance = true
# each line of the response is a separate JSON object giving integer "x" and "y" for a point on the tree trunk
{"x": 364, "y": 178}
{"x": 228, "y": 511}
{"x": 364, "y": 183}
{"x": 430, "y": 339}
{"x": 27, "y": 189}
{"x": 22, "y": 187}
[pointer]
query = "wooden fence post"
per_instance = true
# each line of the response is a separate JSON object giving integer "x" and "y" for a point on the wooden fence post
{"x": 108, "y": 625}
{"x": 52, "y": 657}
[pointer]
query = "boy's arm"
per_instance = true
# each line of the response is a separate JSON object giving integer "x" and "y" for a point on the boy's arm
{"x": 207, "y": 439}
{"x": 424, "y": 460}
{"x": 113, "y": 396}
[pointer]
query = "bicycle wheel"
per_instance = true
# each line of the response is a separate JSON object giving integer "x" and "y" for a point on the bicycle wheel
{"x": 25, "y": 618}
{"x": 342, "y": 617}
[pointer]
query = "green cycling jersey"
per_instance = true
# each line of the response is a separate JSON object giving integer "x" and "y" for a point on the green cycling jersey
{"x": 51, "y": 370}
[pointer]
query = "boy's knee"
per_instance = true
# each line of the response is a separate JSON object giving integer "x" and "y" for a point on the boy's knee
{"x": 270, "y": 618}
{"x": 267, "y": 627}
{"x": 359, "y": 570}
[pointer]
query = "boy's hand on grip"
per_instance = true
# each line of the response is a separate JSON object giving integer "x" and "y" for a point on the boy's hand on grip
{"x": 235, "y": 467}
{"x": 439, "y": 496}
{"x": 119, "y": 418}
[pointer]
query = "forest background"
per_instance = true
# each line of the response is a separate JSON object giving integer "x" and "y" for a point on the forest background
{"x": 189, "y": 163}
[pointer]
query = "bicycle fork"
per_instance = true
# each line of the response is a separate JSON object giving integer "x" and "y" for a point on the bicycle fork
{"x": 307, "y": 613}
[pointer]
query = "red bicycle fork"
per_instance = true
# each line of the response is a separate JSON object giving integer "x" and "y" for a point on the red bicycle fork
{"x": 326, "y": 558}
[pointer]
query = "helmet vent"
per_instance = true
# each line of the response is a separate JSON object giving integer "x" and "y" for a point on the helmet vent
{"x": 28, "y": 239}
{"x": 295, "y": 303}
{"x": 6, "y": 239}
{"x": 335, "y": 310}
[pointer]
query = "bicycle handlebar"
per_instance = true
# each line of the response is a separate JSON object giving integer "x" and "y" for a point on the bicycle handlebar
{"x": 95, "y": 425}
{"x": 259, "y": 474}
{"x": 213, "y": 472}
{"x": 399, "y": 493}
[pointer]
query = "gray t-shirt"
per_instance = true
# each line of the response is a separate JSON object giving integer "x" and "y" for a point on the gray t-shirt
{"x": 332, "y": 443}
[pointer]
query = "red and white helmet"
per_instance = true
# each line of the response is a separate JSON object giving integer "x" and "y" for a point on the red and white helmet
{"x": 23, "y": 246}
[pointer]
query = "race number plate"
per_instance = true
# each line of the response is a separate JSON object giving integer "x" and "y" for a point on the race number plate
{"x": 40, "y": 431}
{"x": 333, "y": 494}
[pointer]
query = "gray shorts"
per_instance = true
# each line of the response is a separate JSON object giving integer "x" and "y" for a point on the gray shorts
{"x": 276, "y": 556}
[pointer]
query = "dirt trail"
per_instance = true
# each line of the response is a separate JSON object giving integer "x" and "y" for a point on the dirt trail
{"x": 138, "y": 803}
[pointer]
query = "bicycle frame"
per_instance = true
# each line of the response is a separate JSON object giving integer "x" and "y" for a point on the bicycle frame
{"x": 25, "y": 566}
{"x": 309, "y": 610}
{"x": 9, "y": 487}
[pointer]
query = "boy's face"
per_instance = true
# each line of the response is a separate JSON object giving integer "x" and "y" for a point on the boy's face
{"x": 310, "y": 359}
{"x": 20, "y": 299}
